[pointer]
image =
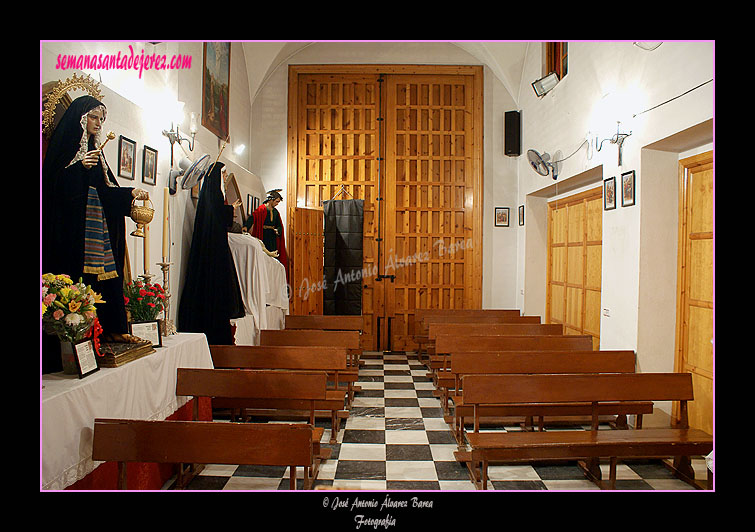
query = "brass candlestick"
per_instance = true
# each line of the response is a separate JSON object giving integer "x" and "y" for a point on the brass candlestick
{"x": 168, "y": 327}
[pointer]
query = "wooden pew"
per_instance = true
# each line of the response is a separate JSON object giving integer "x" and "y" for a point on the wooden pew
{"x": 541, "y": 362}
{"x": 424, "y": 317}
{"x": 274, "y": 392}
{"x": 679, "y": 442}
{"x": 332, "y": 360}
{"x": 203, "y": 442}
{"x": 315, "y": 337}
{"x": 325, "y": 323}
{"x": 446, "y": 343}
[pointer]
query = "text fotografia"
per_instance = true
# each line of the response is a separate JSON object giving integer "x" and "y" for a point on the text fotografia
{"x": 126, "y": 61}
{"x": 360, "y": 504}
{"x": 391, "y": 264}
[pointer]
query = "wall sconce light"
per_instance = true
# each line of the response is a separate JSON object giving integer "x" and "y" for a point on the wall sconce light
{"x": 545, "y": 84}
{"x": 618, "y": 139}
{"x": 175, "y": 136}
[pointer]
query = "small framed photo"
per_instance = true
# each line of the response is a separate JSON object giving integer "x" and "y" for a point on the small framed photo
{"x": 147, "y": 330}
{"x": 627, "y": 188}
{"x": 84, "y": 356}
{"x": 126, "y": 157}
{"x": 149, "y": 166}
{"x": 521, "y": 215}
{"x": 501, "y": 216}
{"x": 609, "y": 193}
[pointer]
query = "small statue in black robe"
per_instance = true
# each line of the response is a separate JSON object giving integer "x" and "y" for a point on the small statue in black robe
{"x": 211, "y": 295}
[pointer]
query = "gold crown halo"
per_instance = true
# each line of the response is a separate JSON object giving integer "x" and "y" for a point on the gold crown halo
{"x": 85, "y": 83}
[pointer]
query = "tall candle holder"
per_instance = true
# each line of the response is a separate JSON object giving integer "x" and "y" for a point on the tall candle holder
{"x": 168, "y": 327}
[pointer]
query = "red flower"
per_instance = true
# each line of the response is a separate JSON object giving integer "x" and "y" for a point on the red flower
{"x": 151, "y": 305}
{"x": 125, "y": 300}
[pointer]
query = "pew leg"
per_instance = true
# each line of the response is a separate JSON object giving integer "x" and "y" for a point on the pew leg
{"x": 292, "y": 479}
{"x": 612, "y": 473}
{"x": 620, "y": 422}
{"x": 591, "y": 468}
{"x": 122, "y": 476}
{"x": 484, "y": 474}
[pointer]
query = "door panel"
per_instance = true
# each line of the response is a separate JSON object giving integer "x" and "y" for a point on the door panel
{"x": 574, "y": 265}
{"x": 695, "y": 309}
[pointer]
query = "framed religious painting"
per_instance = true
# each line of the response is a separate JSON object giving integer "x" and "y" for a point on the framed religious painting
{"x": 501, "y": 216}
{"x": 149, "y": 166}
{"x": 609, "y": 193}
{"x": 627, "y": 188}
{"x": 216, "y": 82}
{"x": 126, "y": 157}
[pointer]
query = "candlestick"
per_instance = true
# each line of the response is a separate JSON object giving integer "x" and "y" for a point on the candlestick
{"x": 166, "y": 226}
{"x": 146, "y": 249}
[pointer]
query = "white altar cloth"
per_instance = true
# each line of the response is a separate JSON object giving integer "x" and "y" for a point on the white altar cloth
{"x": 142, "y": 389}
{"x": 262, "y": 280}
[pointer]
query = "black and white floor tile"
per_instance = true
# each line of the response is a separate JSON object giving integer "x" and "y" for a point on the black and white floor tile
{"x": 395, "y": 438}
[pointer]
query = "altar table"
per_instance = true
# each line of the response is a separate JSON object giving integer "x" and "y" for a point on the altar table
{"x": 142, "y": 389}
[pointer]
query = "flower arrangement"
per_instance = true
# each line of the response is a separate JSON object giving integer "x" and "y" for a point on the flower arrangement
{"x": 68, "y": 308}
{"x": 144, "y": 301}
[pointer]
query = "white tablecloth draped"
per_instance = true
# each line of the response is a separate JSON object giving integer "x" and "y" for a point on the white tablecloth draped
{"x": 142, "y": 389}
{"x": 262, "y": 280}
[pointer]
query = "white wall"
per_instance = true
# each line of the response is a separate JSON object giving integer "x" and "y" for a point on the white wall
{"x": 137, "y": 108}
{"x": 560, "y": 121}
{"x": 269, "y": 142}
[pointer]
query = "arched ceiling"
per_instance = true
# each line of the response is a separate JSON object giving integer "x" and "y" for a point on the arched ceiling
{"x": 504, "y": 59}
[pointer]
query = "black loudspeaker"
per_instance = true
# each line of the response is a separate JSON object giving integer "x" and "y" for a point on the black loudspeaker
{"x": 512, "y": 133}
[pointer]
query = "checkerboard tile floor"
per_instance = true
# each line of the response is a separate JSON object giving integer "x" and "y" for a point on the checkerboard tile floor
{"x": 395, "y": 438}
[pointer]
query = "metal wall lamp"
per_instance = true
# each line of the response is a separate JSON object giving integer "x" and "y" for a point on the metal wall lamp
{"x": 618, "y": 139}
{"x": 175, "y": 136}
{"x": 545, "y": 84}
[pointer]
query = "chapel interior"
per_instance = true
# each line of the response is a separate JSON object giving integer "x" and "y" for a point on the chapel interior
{"x": 570, "y": 181}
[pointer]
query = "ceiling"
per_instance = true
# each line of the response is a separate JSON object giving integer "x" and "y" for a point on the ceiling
{"x": 504, "y": 59}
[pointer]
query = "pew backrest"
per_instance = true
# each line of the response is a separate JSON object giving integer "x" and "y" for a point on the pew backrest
{"x": 494, "y": 329}
{"x": 279, "y": 357}
{"x": 470, "y": 363}
{"x": 251, "y": 384}
{"x": 446, "y": 343}
{"x": 322, "y": 322}
{"x": 304, "y": 337}
{"x": 203, "y": 442}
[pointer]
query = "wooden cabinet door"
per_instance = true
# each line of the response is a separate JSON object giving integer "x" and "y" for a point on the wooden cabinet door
{"x": 694, "y": 316}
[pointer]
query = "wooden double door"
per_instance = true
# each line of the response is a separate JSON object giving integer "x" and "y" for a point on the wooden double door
{"x": 408, "y": 141}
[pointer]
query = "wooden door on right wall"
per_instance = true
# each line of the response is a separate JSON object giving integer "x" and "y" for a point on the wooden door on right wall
{"x": 575, "y": 243}
{"x": 694, "y": 313}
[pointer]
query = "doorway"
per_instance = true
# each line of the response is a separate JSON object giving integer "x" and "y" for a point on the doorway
{"x": 406, "y": 139}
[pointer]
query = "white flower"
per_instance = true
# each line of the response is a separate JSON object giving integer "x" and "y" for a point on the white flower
{"x": 74, "y": 319}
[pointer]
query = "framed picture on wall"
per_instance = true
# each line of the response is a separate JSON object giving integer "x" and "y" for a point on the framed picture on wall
{"x": 627, "y": 188}
{"x": 149, "y": 166}
{"x": 126, "y": 157}
{"x": 216, "y": 82}
{"x": 609, "y": 193}
{"x": 501, "y": 216}
{"x": 521, "y": 215}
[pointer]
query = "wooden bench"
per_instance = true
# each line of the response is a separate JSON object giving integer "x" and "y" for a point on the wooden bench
{"x": 332, "y": 360}
{"x": 443, "y": 315}
{"x": 325, "y": 323}
{"x": 680, "y": 442}
{"x": 203, "y": 442}
{"x": 540, "y": 362}
{"x": 315, "y": 337}
{"x": 274, "y": 393}
{"x": 445, "y": 343}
